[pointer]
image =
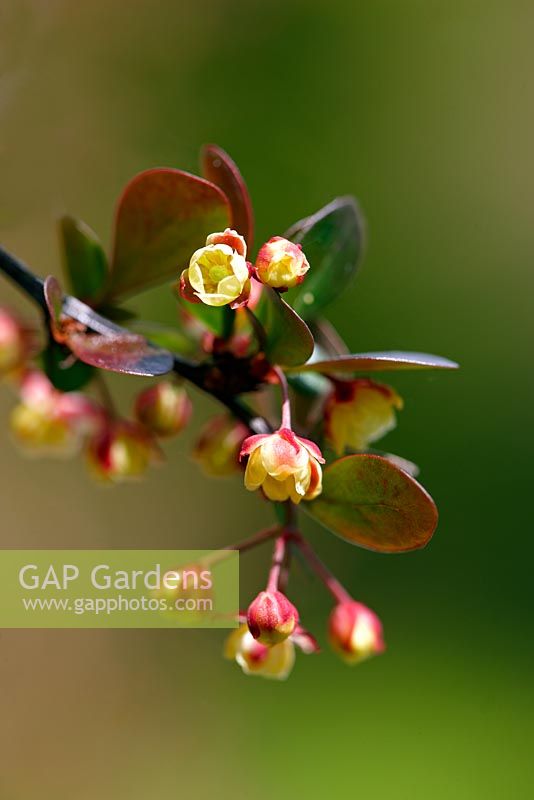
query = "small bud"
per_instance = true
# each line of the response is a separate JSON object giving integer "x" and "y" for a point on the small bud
{"x": 271, "y": 618}
{"x": 285, "y": 466}
{"x": 218, "y": 274}
{"x": 255, "y": 658}
{"x": 355, "y": 632}
{"x": 359, "y": 412}
{"x": 121, "y": 451}
{"x": 165, "y": 408}
{"x": 16, "y": 342}
{"x": 217, "y": 449}
{"x": 281, "y": 264}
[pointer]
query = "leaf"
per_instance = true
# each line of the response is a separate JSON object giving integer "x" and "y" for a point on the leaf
{"x": 369, "y": 501}
{"x": 375, "y": 362}
{"x": 64, "y": 373}
{"x": 84, "y": 261}
{"x": 220, "y": 169}
{"x": 120, "y": 352}
{"x": 289, "y": 340}
{"x": 332, "y": 240}
{"x": 164, "y": 336}
{"x": 163, "y": 216}
{"x": 212, "y": 317}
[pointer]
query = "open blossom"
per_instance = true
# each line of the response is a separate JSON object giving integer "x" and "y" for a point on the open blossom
{"x": 51, "y": 421}
{"x": 359, "y": 412}
{"x": 165, "y": 408}
{"x": 281, "y": 264}
{"x": 255, "y": 658}
{"x": 218, "y": 273}
{"x": 271, "y": 617}
{"x": 120, "y": 451}
{"x": 355, "y": 632}
{"x": 285, "y": 466}
{"x": 17, "y": 342}
{"x": 217, "y": 448}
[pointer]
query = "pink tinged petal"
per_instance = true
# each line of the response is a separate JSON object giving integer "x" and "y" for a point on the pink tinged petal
{"x": 251, "y": 443}
{"x": 312, "y": 448}
{"x": 255, "y": 472}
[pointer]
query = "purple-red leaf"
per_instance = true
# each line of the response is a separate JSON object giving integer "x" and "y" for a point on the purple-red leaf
{"x": 218, "y": 167}
{"x": 375, "y": 362}
{"x": 163, "y": 216}
{"x": 369, "y": 501}
{"x": 120, "y": 352}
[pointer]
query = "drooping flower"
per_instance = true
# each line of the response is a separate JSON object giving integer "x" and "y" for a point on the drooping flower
{"x": 121, "y": 451}
{"x": 285, "y": 466}
{"x": 49, "y": 421}
{"x": 355, "y": 632}
{"x": 255, "y": 658}
{"x": 165, "y": 408}
{"x": 218, "y": 273}
{"x": 217, "y": 448}
{"x": 271, "y": 617}
{"x": 281, "y": 264}
{"x": 359, "y": 412}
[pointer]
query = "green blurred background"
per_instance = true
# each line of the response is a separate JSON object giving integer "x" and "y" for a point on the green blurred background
{"x": 425, "y": 111}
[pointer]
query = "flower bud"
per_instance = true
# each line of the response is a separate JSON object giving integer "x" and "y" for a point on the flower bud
{"x": 255, "y": 658}
{"x": 359, "y": 412}
{"x": 281, "y": 264}
{"x": 217, "y": 449}
{"x": 271, "y": 618}
{"x": 121, "y": 451}
{"x": 165, "y": 408}
{"x": 218, "y": 274}
{"x": 285, "y": 466}
{"x": 355, "y": 632}
{"x": 16, "y": 342}
{"x": 51, "y": 421}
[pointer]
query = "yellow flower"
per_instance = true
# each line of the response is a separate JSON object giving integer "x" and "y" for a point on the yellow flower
{"x": 281, "y": 264}
{"x": 359, "y": 412}
{"x": 254, "y": 658}
{"x": 218, "y": 273}
{"x": 285, "y": 466}
{"x": 217, "y": 448}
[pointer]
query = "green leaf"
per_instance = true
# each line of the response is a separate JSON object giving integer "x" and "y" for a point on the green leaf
{"x": 163, "y": 216}
{"x": 64, "y": 373}
{"x": 332, "y": 240}
{"x": 84, "y": 261}
{"x": 369, "y": 501}
{"x": 289, "y": 340}
{"x": 164, "y": 336}
{"x": 212, "y": 317}
{"x": 218, "y": 167}
{"x": 376, "y": 362}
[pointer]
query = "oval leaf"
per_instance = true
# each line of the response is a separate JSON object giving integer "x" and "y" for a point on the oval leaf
{"x": 289, "y": 340}
{"x": 163, "y": 216}
{"x": 333, "y": 241}
{"x": 375, "y": 362}
{"x": 84, "y": 261}
{"x": 220, "y": 169}
{"x": 127, "y": 353}
{"x": 369, "y": 501}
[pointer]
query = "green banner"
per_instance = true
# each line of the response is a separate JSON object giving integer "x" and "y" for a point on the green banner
{"x": 119, "y": 588}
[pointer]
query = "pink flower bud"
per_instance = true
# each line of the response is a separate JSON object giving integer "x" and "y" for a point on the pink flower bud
{"x": 271, "y": 617}
{"x": 17, "y": 342}
{"x": 355, "y": 632}
{"x": 121, "y": 451}
{"x": 281, "y": 264}
{"x": 217, "y": 449}
{"x": 165, "y": 408}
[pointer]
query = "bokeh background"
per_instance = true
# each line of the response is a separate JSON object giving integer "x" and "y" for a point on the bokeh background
{"x": 425, "y": 110}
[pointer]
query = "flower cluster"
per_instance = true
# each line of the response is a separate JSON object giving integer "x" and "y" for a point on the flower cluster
{"x": 300, "y": 411}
